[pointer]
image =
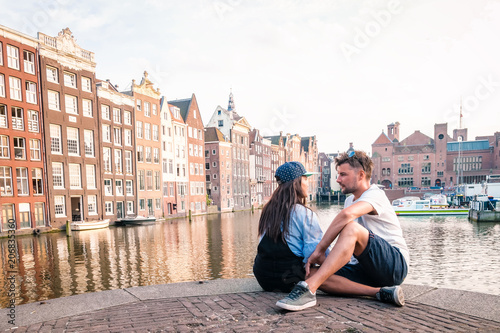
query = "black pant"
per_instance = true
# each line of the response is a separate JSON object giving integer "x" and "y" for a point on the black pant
{"x": 276, "y": 267}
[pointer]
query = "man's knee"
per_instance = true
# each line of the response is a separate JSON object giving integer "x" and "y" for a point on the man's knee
{"x": 359, "y": 233}
{"x": 354, "y": 229}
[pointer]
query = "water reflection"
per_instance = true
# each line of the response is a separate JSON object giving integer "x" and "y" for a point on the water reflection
{"x": 445, "y": 252}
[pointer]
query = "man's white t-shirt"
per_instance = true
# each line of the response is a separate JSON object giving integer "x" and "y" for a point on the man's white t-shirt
{"x": 385, "y": 223}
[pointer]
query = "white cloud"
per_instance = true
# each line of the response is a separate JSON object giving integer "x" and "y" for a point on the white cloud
{"x": 286, "y": 55}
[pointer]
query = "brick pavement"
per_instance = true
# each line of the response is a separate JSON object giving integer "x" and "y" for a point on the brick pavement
{"x": 256, "y": 312}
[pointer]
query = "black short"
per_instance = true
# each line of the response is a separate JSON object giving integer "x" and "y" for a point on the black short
{"x": 380, "y": 265}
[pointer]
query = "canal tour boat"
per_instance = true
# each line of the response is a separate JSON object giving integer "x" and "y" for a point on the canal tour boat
{"x": 414, "y": 206}
{"x": 89, "y": 225}
{"x": 137, "y": 220}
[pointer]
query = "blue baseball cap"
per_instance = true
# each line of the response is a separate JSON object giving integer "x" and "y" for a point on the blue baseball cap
{"x": 289, "y": 171}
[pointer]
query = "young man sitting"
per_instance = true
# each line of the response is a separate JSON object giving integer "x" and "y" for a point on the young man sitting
{"x": 370, "y": 257}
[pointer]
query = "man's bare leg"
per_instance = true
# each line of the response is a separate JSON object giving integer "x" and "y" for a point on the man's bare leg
{"x": 352, "y": 239}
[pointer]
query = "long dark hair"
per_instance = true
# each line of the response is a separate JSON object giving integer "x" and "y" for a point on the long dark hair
{"x": 275, "y": 218}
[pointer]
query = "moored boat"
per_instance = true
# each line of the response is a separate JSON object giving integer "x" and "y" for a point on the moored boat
{"x": 412, "y": 206}
{"x": 484, "y": 209}
{"x": 89, "y": 225}
{"x": 137, "y": 220}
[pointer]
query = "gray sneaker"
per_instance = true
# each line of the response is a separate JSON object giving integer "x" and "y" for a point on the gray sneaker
{"x": 299, "y": 298}
{"x": 393, "y": 295}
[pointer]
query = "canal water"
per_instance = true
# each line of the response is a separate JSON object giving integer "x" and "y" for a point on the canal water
{"x": 447, "y": 252}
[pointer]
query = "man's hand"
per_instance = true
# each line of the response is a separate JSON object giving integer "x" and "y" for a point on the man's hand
{"x": 317, "y": 257}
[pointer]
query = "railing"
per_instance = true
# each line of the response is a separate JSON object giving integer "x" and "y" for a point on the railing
{"x": 50, "y": 41}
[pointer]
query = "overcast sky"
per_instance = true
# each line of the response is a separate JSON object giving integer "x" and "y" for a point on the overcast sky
{"x": 338, "y": 69}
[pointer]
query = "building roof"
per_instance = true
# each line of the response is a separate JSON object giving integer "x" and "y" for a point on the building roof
{"x": 382, "y": 139}
{"x": 275, "y": 139}
{"x": 417, "y": 138}
{"x": 213, "y": 134}
{"x": 183, "y": 105}
{"x": 468, "y": 145}
{"x": 304, "y": 142}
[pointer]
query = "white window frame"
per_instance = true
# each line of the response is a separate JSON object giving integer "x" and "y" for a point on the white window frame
{"x": 20, "y": 145}
{"x": 155, "y": 133}
{"x": 87, "y": 108}
{"x": 35, "y": 150}
{"x": 130, "y": 207}
{"x": 55, "y": 139}
{"x": 6, "y": 181}
{"x": 17, "y": 118}
{"x": 69, "y": 79}
{"x": 75, "y": 176}
{"x": 129, "y": 187}
{"x": 71, "y": 104}
{"x": 37, "y": 178}
{"x": 57, "y": 171}
{"x": 13, "y": 57}
{"x": 59, "y": 206}
{"x": 117, "y": 116}
{"x": 33, "y": 121}
{"x": 108, "y": 187}
{"x": 119, "y": 187}
{"x": 73, "y": 141}
{"x": 88, "y": 142}
{"x": 90, "y": 175}
{"x": 86, "y": 84}
{"x": 117, "y": 136}
{"x": 3, "y": 116}
{"x": 118, "y": 161}
{"x": 15, "y": 88}
{"x": 147, "y": 109}
{"x": 127, "y": 117}
{"x": 52, "y": 74}
{"x": 106, "y": 159}
{"x": 2, "y": 84}
{"x": 108, "y": 207}
{"x": 139, "y": 129}
{"x": 4, "y": 146}
{"x": 106, "y": 133}
{"x": 54, "y": 102}
{"x": 23, "y": 187}
{"x": 128, "y": 162}
{"x": 147, "y": 131}
{"x": 29, "y": 62}
{"x": 127, "y": 137}
{"x": 105, "y": 112}
{"x": 92, "y": 204}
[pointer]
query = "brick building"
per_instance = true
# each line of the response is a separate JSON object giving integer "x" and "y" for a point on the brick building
{"x": 278, "y": 156}
{"x": 421, "y": 161}
{"x": 309, "y": 150}
{"x": 191, "y": 115}
{"x": 218, "y": 170}
{"x": 22, "y": 176}
{"x": 117, "y": 142}
{"x": 71, "y": 129}
{"x": 180, "y": 161}
{"x": 148, "y": 146}
{"x": 325, "y": 174}
{"x": 256, "y": 160}
{"x": 168, "y": 157}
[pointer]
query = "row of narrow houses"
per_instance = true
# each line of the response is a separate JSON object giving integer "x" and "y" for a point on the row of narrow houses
{"x": 74, "y": 147}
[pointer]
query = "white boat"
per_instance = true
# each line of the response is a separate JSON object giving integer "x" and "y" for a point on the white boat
{"x": 89, "y": 225}
{"x": 137, "y": 220}
{"x": 411, "y": 206}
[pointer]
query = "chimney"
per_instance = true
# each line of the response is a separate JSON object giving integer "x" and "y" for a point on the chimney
{"x": 393, "y": 131}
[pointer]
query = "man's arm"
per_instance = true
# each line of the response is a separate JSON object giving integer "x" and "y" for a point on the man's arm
{"x": 347, "y": 215}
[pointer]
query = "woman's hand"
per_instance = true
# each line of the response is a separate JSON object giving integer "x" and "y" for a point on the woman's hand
{"x": 316, "y": 258}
